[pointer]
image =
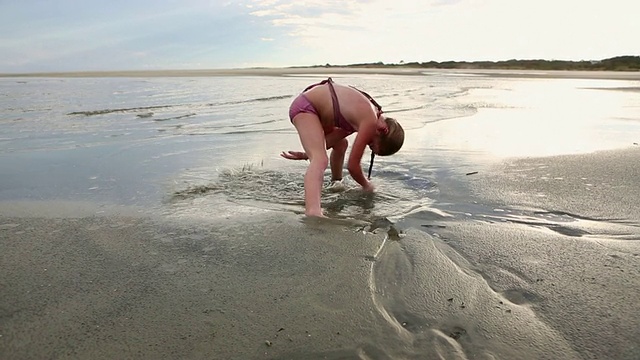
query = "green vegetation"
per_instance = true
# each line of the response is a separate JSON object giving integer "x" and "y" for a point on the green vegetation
{"x": 619, "y": 63}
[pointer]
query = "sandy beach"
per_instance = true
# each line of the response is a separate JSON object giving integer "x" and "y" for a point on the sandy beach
{"x": 527, "y": 257}
{"x": 613, "y": 75}
{"x": 273, "y": 286}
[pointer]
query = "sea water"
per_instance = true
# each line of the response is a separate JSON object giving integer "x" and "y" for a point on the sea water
{"x": 194, "y": 144}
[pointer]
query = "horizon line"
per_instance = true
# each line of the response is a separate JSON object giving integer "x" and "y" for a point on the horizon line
{"x": 316, "y": 66}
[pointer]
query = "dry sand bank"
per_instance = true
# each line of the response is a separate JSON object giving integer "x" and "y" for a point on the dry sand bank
{"x": 612, "y": 75}
{"x": 225, "y": 72}
{"x": 557, "y": 74}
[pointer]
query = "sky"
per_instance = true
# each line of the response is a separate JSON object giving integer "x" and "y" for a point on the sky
{"x": 94, "y": 35}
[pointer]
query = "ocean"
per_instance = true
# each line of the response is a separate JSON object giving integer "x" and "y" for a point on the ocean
{"x": 152, "y": 142}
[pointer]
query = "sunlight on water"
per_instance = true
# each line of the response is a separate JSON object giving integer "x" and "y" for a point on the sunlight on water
{"x": 541, "y": 118}
{"x": 136, "y": 140}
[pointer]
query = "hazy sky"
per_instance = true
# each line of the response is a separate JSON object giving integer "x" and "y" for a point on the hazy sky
{"x": 68, "y": 35}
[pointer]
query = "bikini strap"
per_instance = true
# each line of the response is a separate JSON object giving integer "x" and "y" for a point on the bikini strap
{"x": 375, "y": 103}
{"x": 334, "y": 99}
{"x": 316, "y": 84}
{"x": 337, "y": 115}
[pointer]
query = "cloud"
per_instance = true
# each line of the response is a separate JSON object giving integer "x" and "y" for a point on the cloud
{"x": 422, "y": 30}
{"x": 343, "y": 31}
{"x": 38, "y": 35}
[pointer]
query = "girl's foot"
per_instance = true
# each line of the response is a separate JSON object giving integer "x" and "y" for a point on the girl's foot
{"x": 337, "y": 186}
{"x": 318, "y": 214}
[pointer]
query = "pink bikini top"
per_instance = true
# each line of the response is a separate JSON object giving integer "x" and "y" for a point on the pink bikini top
{"x": 339, "y": 119}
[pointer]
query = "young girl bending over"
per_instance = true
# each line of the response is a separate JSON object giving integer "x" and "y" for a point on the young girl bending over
{"x": 324, "y": 114}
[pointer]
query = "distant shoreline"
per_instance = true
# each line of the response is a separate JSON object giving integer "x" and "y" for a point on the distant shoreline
{"x": 340, "y": 70}
{"x": 620, "y": 67}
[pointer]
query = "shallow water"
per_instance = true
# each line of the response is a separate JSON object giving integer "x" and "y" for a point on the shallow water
{"x": 508, "y": 277}
{"x": 153, "y": 142}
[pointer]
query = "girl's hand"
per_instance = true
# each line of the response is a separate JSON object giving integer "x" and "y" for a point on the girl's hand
{"x": 368, "y": 187}
{"x": 294, "y": 155}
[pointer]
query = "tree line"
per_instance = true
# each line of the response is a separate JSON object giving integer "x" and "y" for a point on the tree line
{"x": 619, "y": 63}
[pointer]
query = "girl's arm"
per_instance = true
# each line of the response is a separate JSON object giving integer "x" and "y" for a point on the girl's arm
{"x": 366, "y": 132}
{"x": 334, "y": 136}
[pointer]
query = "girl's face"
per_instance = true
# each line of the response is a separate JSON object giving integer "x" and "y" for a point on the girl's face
{"x": 374, "y": 145}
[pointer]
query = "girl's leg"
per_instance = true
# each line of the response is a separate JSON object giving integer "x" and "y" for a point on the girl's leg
{"x": 337, "y": 158}
{"x": 312, "y": 138}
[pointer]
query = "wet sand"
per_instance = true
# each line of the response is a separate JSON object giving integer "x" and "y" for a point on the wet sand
{"x": 558, "y": 236}
{"x": 600, "y": 185}
{"x": 274, "y": 288}
{"x": 522, "y": 276}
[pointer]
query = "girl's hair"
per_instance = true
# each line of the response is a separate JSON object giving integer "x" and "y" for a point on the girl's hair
{"x": 392, "y": 141}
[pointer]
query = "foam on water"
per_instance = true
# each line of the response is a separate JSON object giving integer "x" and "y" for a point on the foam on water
{"x": 398, "y": 192}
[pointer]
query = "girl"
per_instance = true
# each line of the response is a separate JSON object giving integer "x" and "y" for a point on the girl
{"x": 324, "y": 114}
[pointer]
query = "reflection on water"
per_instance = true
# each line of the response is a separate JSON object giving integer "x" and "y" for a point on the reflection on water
{"x": 132, "y": 140}
{"x": 541, "y": 118}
